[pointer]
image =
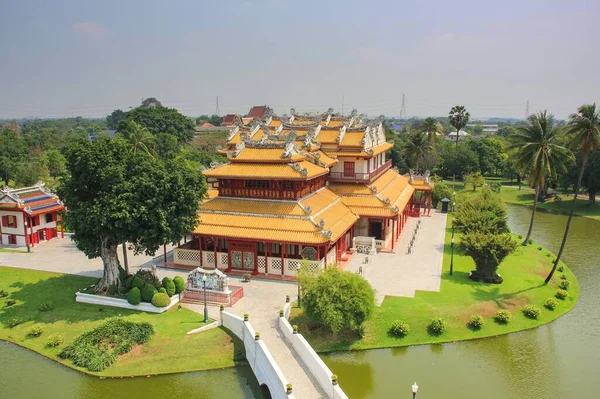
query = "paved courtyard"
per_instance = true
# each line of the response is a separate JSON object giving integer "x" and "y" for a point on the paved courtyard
{"x": 400, "y": 273}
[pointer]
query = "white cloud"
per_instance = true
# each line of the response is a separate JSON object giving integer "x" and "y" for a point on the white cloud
{"x": 90, "y": 30}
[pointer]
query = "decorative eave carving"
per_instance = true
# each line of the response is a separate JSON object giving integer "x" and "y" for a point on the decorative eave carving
{"x": 326, "y": 234}
{"x": 296, "y": 166}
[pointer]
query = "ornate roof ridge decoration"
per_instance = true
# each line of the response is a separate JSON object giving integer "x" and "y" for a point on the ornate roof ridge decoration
{"x": 233, "y": 132}
{"x": 215, "y": 164}
{"x": 290, "y": 150}
{"x": 419, "y": 176}
{"x": 296, "y": 166}
{"x": 372, "y": 188}
{"x": 341, "y": 134}
{"x": 238, "y": 148}
{"x": 326, "y": 234}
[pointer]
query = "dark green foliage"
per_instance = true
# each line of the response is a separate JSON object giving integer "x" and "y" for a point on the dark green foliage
{"x": 436, "y": 326}
{"x": 161, "y": 300}
{"x": 531, "y": 311}
{"x": 502, "y": 316}
{"x": 55, "y": 340}
{"x": 564, "y": 285}
{"x": 148, "y": 292}
{"x": 35, "y": 331}
{"x": 488, "y": 251}
{"x": 137, "y": 282}
{"x": 162, "y": 290}
{"x": 400, "y": 328}
{"x": 161, "y": 120}
{"x": 179, "y": 284}
{"x": 339, "y": 300}
{"x": 539, "y": 248}
{"x": 10, "y": 302}
{"x": 15, "y": 321}
{"x": 551, "y": 303}
{"x": 3, "y": 294}
{"x": 563, "y": 277}
{"x": 148, "y": 277}
{"x": 113, "y": 289}
{"x": 476, "y": 321}
{"x": 97, "y": 349}
{"x": 485, "y": 213}
{"x": 134, "y": 296}
{"x": 562, "y": 294}
{"x": 560, "y": 268}
{"x": 129, "y": 281}
{"x": 169, "y": 285}
{"x": 123, "y": 290}
{"x": 441, "y": 190}
{"x": 46, "y": 306}
{"x": 122, "y": 274}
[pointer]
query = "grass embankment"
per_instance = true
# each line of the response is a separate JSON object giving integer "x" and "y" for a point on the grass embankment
{"x": 170, "y": 350}
{"x": 524, "y": 272}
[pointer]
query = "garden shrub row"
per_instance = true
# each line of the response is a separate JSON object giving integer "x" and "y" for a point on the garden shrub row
{"x": 144, "y": 286}
{"x": 97, "y": 349}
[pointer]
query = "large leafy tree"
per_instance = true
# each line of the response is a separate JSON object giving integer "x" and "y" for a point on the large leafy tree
{"x": 416, "y": 148}
{"x": 114, "y": 196}
{"x": 487, "y": 251}
{"x": 161, "y": 120}
{"x": 114, "y": 118}
{"x": 538, "y": 154}
{"x": 584, "y": 134}
{"x": 457, "y": 160}
{"x": 339, "y": 300}
{"x": 485, "y": 213}
{"x": 139, "y": 138}
{"x": 13, "y": 150}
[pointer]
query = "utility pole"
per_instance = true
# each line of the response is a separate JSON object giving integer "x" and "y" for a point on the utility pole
{"x": 403, "y": 109}
{"x": 217, "y": 111}
{"x": 527, "y": 110}
{"x": 342, "y": 105}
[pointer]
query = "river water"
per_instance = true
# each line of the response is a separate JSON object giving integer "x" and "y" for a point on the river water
{"x": 560, "y": 359}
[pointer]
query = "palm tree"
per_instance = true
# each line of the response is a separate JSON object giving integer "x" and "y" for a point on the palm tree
{"x": 538, "y": 154}
{"x": 458, "y": 118}
{"x": 139, "y": 137}
{"x": 416, "y": 148}
{"x": 584, "y": 135}
{"x": 431, "y": 127}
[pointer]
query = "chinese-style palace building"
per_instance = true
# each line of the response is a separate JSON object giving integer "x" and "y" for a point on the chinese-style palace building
{"x": 28, "y": 215}
{"x": 301, "y": 189}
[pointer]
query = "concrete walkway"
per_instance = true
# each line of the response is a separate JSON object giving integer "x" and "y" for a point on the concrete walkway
{"x": 400, "y": 273}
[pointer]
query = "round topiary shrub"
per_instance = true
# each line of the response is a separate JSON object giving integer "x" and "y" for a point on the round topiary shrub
{"x": 137, "y": 282}
{"x": 563, "y": 277}
{"x": 539, "y": 248}
{"x": 179, "y": 284}
{"x": 436, "y": 326}
{"x": 551, "y": 303}
{"x": 46, "y": 306}
{"x": 54, "y": 340}
{"x": 15, "y": 321}
{"x": 399, "y": 328}
{"x": 148, "y": 292}
{"x": 161, "y": 300}
{"x": 169, "y": 285}
{"x": 123, "y": 290}
{"x": 129, "y": 281}
{"x": 475, "y": 322}
{"x": 502, "y": 316}
{"x": 35, "y": 331}
{"x": 531, "y": 312}
{"x": 561, "y": 294}
{"x": 162, "y": 290}
{"x": 530, "y": 241}
{"x": 564, "y": 284}
{"x": 134, "y": 296}
{"x": 560, "y": 268}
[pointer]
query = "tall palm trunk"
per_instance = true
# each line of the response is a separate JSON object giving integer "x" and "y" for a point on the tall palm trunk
{"x": 535, "y": 202}
{"x": 564, "y": 240}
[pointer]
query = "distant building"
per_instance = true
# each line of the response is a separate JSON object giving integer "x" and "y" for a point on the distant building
{"x": 206, "y": 124}
{"x": 462, "y": 135}
{"x": 258, "y": 112}
{"x": 230, "y": 120}
{"x": 488, "y": 129}
{"x": 29, "y": 215}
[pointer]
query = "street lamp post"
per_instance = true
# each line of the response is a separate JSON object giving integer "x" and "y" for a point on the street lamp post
{"x": 299, "y": 300}
{"x": 452, "y": 241}
{"x": 415, "y": 388}
{"x": 27, "y": 238}
{"x": 205, "y": 308}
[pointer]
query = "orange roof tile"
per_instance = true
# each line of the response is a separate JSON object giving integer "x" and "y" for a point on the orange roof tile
{"x": 352, "y": 139}
{"x": 335, "y": 123}
{"x": 327, "y": 136}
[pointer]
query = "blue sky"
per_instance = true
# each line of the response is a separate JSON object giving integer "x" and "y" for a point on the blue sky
{"x": 64, "y": 58}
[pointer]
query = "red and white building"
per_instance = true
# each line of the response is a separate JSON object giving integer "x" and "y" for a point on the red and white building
{"x": 29, "y": 215}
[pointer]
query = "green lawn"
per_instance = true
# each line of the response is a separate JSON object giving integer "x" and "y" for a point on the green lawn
{"x": 169, "y": 351}
{"x": 459, "y": 298}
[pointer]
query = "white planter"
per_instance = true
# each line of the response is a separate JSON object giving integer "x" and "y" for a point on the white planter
{"x": 122, "y": 303}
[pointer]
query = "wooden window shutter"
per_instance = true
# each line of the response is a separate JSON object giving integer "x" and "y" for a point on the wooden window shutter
{"x": 5, "y": 221}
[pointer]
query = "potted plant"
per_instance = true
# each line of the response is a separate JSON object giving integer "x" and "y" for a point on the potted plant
{"x": 288, "y": 389}
{"x": 246, "y": 277}
{"x": 295, "y": 328}
{"x": 256, "y": 336}
{"x": 287, "y": 299}
{"x": 280, "y": 312}
{"x": 334, "y": 379}
{"x": 245, "y": 316}
{"x": 222, "y": 308}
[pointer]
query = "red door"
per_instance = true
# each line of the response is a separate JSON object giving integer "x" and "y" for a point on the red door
{"x": 348, "y": 169}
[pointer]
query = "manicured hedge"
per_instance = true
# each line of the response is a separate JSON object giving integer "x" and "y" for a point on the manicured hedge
{"x": 168, "y": 285}
{"x": 148, "y": 292}
{"x": 179, "y": 284}
{"x": 134, "y": 296}
{"x": 161, "y": 300}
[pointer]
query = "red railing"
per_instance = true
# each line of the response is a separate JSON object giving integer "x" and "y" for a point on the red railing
{"x": 386, "y": 165}
{"x": 236, "y": 294}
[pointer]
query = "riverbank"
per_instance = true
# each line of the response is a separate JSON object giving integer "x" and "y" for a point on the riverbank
{"x": 459, "y": 298}
{"x": 169, "y": 351}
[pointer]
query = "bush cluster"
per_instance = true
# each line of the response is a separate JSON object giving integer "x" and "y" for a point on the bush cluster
{"x": 531, "y": 311}
{"x": 129, "y": 281}
{"x": 162, "y": 290}
{"x": 563, "y": 277}
{"x": 168, "y": 285}
{"x": 560, "y": 268}
{"x": 46, "y": 306}
{"x": 97, "y": 349}
{"x": 551, "y": 303}
{"x": 147, "y": 277}
{"x": 55, "y": 340}
{"x": 3, "y": 294}
{"x": 134, "y": 296}
{"x": 564, "y": 285}
{"x": 137, "y": 282}
{"x": 436, "y": 326}
{"x": 476, "y": 321}
{"x": 35, "y": 331}
{"x": 399, "y": 328}
{"x": 161, "y": 300}
{"x": 15, "y": 321}
{"x": 561, "y": 294}
{"x": 148, "y": 292}
{"x": 502, "y": 316}
{"x": 179, "y": 284}
{"x": 10, "y": 302}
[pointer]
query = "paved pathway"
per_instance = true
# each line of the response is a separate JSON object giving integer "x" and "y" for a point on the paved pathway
{"x": 401, "y": 274}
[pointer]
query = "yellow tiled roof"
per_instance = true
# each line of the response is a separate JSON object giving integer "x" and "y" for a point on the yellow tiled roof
{"x": 212, "y": 193}
{"x": 337, "y": 123}
{"x": 265, "y": 171}
{"x": 385, "y": 179}
{"x": 349, "y": 188}
{"x": 376, "y": 151}
{"x": 281, "y": 221}
{"x": 352, "y": 139}
{"x": 275, "y": 123}
{"x": 265, "y": 155}
{"x": 421, "y": 185}
{"x": 327, "y": 136}
{"x": 324, "y": 158}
